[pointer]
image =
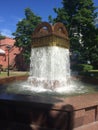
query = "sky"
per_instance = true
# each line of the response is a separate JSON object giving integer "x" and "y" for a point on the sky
{"x": 11, "y": 11}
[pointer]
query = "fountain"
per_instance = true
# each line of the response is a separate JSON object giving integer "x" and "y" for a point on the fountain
{"x": 49, "y": 72}
{"x": 50, "y": 63}
{"x": 50, "y": 66}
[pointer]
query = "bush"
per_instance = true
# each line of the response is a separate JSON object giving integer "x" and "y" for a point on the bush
{"x": 82, "y": 67}
{"x": 91, "y": 73}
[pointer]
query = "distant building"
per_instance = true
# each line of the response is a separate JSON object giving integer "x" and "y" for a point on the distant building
{"x": 15, "y": 57}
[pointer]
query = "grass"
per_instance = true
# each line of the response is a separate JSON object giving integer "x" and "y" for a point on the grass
{"x": 93, "y": 70}
{"x": 13, "y": 73}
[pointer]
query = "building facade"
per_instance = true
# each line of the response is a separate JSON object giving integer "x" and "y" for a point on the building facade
{"x": 12, "y": 53}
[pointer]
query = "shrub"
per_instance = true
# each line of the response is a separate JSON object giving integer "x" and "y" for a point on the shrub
{"x": 93, "y": 73}
{"x": 83, "y": 67}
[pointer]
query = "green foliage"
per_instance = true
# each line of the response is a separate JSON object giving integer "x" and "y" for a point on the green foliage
{"x": 23, "y": 34}
{"x": 91, "y": 73}
{"x": 2, "y": 37}
{"x": 84, "y": 67}
{"x": 90, "y": 48}
{"x": 78, "y": 17}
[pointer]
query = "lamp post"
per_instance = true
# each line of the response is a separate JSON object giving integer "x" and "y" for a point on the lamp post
{"x": 8, "y": 48}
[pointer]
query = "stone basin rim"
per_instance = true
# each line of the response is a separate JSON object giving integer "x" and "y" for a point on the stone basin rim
{"x": 77, "y": 102}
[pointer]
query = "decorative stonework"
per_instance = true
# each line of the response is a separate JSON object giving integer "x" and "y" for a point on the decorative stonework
{"x": 47, "y": 35}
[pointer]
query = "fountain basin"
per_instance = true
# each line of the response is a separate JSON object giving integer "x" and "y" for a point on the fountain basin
{"x": 29, "y": 112}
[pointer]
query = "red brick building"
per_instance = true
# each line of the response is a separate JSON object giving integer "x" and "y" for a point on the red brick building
{"x": 15, "y": 57}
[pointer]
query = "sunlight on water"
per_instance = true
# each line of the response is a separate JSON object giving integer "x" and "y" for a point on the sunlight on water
{"x": 75, "y": 88}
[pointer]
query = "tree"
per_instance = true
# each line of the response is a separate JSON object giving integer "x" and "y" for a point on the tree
{"x": 90, "y": 49}
{"x": 78, "y": 17}
{"x": 23, "y": 34}
{"x": 2, "y": 37}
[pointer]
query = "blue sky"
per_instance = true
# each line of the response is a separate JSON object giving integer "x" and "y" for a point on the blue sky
{"x": 11, "y": 11}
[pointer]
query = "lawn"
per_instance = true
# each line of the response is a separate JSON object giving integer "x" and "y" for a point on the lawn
{"x": 13, "y": 73}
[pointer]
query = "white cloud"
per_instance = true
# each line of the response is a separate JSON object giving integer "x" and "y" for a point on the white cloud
{"x": 6, "y": 32}
{"x": 9, "y": 26}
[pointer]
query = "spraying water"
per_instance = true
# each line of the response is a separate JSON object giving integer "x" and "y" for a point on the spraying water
{"x": 50, "y": 67}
